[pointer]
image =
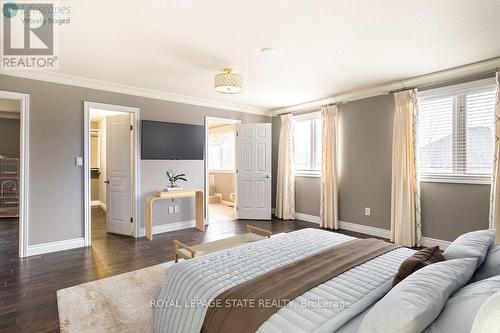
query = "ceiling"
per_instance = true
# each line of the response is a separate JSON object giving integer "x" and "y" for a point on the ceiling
{"x": 323, "y": 47}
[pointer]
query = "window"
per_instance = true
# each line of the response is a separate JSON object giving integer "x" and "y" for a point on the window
{"x": 221, "y": 148}
{"x": 456, "y": 134}
{"x": 307, "y": 140}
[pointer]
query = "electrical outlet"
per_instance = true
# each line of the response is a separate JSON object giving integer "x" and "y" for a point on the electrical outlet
{"x": 176, "y": 209}
{"x": 367, "y": 211}
{"x": 170, "y": 209}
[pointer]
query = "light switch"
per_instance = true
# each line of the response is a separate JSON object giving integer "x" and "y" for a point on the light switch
{"x": 78, "y": 161}
{"x": 170, "y": 209}
{"x": 176, "y": 209}
{"x": 367, "y": 211}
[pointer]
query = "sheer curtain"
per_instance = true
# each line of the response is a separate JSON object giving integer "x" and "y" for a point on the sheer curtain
{"x": 406, "y": 228}
{"x": 495, "y": 181}
{"x": 285, "y": 189}
{"x": 221, "y": 147}
{"x": 329, "y": 167}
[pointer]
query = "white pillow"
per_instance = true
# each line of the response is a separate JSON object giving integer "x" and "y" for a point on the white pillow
{"x": 459, "y": 312}
{"x": 416, "y": 301}
{"x": 487, "y": 319}
{"x": 473, "y": 244}
{"x": 490, "y": 266}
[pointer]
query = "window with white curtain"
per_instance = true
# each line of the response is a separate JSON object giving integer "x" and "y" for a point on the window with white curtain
{"x": 307, "y": 140}
{"x": 221, "y": 148}
{"x": 456, "y": 134}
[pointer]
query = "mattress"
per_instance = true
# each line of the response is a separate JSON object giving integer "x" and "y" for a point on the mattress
{"x": 190, "y": 285}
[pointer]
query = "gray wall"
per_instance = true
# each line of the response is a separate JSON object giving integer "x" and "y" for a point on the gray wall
{"x": 366, "y": 155}
{"x": 56, "y": 138}
{"x": 153, "y": 178}
{"x": 9, "y": 137}
{"x": 307, "y": 195}
{"x": 448, "y": 210}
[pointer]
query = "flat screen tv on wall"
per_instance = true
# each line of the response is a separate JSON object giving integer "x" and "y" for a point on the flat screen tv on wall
{"x": 171, "y": 141}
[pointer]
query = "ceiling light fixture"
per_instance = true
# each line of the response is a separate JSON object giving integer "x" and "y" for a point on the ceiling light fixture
{"x": 228, "y": 82}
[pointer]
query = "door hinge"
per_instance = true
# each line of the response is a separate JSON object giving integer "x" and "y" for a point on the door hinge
{"x": 131, "y": 220}
{"x": 236, "y": 170}
{"x": 237, "y": 207}
{"x": 237, "y": 134}
{"x": 131, "y": 127}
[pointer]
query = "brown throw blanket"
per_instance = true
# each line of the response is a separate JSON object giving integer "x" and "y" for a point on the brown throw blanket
{"x": 243, "y": 308}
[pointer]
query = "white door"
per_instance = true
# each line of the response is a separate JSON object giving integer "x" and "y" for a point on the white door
{"x": 253, "y": 171}
{"x": 119, "y": 174}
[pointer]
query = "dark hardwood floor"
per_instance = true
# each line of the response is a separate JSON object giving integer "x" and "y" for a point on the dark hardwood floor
{"x": 28, "y": 286}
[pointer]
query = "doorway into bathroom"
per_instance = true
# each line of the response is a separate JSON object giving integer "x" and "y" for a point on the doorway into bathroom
{"x": 220, "y": 166}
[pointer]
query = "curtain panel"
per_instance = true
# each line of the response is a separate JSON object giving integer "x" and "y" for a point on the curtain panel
{"x": 285, "y": 184}
{"x": 406, "y": 227}
{"x": 495, "y": 181}
{"x": 329, "y": 167}
{"x": 221, "y": 141}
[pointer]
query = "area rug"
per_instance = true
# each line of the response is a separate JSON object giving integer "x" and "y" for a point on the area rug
{"x": 121, "y": 303}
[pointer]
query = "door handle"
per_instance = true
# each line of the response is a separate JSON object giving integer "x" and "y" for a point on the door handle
{"x": 267, "y": 176}
{"x": 106, "y": 182}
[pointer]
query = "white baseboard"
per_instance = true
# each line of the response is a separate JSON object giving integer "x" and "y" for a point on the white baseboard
{"x": 427, "y": 241}
{"x": 158, "y": 229}
{"x": 98, "y": 203}
{"x": 364, "y": 229}
{"x": 307, "y": 217}
{"x": 68, "y": 244}
{"x": 373, "y": 231}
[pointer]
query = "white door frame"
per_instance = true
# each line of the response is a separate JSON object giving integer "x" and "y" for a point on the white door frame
{"x": 86, "y": 164}
{"x": 24, "y": 169}
{"x": 207, "y": 176}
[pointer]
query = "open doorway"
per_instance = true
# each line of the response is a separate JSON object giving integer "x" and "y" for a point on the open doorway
{"x": 111, "y": 172}
{"x": 14, "y": 171}
{"x": 221, "y": 177}
{"x": 10, "y": 153}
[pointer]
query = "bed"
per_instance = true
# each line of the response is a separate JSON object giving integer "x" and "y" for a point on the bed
{"x": 205, "y": 277}
{"x": 344, "y": 303}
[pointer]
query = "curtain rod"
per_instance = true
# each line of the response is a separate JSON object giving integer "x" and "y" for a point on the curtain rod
{"x": 423, "y": 86}
{"x": 421, "y": 82}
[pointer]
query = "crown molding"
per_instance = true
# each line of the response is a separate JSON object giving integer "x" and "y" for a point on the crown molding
{"x": 78, "y": 81}
{"x": 443, "y": 76}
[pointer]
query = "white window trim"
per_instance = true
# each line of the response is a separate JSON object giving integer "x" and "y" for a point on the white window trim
{"x": 462, "y": 88}
{"x": 308, "y": 173}
{"x": 307, "y": 116}
{"x": 457, "y": 89}
{"x": 478, "y": 180}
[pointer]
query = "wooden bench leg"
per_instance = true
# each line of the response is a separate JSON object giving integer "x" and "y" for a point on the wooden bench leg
{"x": 178, "y": 245}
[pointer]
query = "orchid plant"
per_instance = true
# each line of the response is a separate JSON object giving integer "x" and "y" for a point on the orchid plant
{"x": 173, "y": 176}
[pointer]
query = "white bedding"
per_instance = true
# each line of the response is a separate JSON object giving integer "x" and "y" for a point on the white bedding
{"x": 203, "y": 278}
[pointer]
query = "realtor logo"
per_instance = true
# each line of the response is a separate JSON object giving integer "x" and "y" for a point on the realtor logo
{"x": 28, "y": 36}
